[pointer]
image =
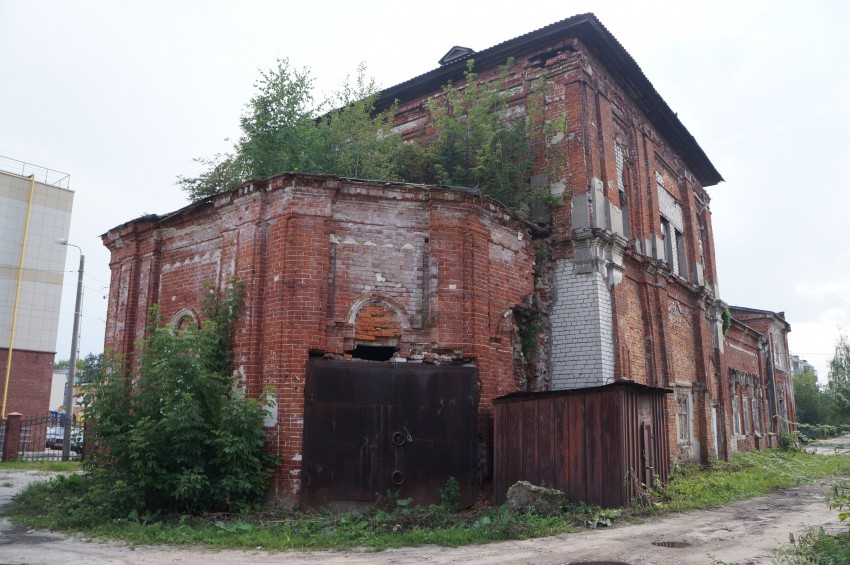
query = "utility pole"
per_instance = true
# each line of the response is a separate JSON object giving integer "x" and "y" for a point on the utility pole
{"x": 72, "y": 363}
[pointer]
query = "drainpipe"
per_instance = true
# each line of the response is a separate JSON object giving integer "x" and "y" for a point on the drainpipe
{"x": 764, "y": 342}
{"x": 17, "y": 297}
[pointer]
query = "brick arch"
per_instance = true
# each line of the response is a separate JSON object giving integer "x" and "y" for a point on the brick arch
{"x": 377, "y": 319}
{"x": 182, "y": 317}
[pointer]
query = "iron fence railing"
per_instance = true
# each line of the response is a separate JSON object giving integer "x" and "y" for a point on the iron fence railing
{"x": 42, "y": 174}
{"x": 42, "y": 438}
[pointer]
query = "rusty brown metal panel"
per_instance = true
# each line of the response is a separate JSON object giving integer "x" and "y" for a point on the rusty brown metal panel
{"x": 376, "y": 427}
{"x": 575, "y": 478}
{"x": 530, "y": 434}
{"x": 561, "y": 440}
{"x": 514, "y": 443}
{"x": 546, "y": 430}
{"x": 500, "y": 451}
{"x": 596, "y": 438}
{"x": 611, "y": 428}
{"x": 594, "y": 472}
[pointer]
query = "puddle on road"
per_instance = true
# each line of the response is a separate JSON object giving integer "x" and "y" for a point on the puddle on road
{"x": 673, "y": 544}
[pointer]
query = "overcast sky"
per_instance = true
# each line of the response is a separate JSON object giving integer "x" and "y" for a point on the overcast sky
{"x": 123, "y": 95}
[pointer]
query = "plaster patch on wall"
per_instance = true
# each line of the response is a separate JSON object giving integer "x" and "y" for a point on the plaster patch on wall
{"x": 270, "y": 407}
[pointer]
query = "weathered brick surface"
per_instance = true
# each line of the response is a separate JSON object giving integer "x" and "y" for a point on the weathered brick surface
{"x": 30, "y": 379}
{"x": 329, "y": 264}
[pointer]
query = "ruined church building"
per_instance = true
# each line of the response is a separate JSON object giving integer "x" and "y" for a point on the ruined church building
{"x": 391, "y": 321}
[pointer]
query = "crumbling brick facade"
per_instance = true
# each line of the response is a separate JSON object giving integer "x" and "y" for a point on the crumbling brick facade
{"x": 329, "y": 265}
{"x": 622, "y": 285}
{"x": 634, "y": 289}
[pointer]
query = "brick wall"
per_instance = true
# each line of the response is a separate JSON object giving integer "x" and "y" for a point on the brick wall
{"x": 30, "y": 379}
{"x": 328, "y": 265}
{"x": 616, "y": 311}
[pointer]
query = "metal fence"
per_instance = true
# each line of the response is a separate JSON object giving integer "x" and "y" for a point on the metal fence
{"x": 42, "y": 174}
{"x": 42, "y": 438}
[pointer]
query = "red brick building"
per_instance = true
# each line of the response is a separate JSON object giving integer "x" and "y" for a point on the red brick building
{"x": 623, "y": 282}
{"x": 333, "y": 266}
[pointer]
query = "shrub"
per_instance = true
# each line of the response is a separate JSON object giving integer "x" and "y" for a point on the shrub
{"x": 174, "y": 434}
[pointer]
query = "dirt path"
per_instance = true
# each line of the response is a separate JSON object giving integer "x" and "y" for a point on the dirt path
{"x": 742, "y": 532}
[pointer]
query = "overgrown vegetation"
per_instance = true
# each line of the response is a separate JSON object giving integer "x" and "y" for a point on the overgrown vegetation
{"x": 746, "y": 475}
{"x": 482, "y": 138}
{"x": 62, "y": 504}
{"x": 816, "y": 547}
{"x": 46, "y": 466}
{"x": 824, "y": 411}
{"x": 174, "y": 435}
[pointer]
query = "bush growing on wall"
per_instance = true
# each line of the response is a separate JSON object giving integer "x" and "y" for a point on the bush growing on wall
{"x": 481, "y": 142}
{"x": 174, "y": 435}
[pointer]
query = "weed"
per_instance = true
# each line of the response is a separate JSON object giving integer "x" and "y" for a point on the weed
{"x": 69, "y": 503}
{"x": 450, "y": 494}
{"x": 816, "y": 546}
{"x": 47, "y": 466}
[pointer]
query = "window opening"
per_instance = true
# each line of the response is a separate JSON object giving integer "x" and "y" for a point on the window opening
{"x": 681, "y": 255}
{"x": 736, "y": 420}
{"x": 683, "y": 417}
{"x": 667, "y": 242}
{"x": 373, "y": 352}
{"x": 756, "y": 415}
{"x": 746, "y": 415}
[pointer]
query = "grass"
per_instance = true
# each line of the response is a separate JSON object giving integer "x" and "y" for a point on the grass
{"x": 816, "y": 547}
{"x": 747, "y": 476}
{"x": 51, "y": 466}
{"x": 67, "y": 504}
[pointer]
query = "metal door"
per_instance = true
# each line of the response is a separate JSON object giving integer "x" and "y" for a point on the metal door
{"x": 374, "y": 427}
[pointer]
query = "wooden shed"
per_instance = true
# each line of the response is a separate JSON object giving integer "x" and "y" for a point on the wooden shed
{"x": 595, "y": 444}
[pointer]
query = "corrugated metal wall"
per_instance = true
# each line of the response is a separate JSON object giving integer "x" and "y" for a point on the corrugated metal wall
{"x": 593, "y": 444}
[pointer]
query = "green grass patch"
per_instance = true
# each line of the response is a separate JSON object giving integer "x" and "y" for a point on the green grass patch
{"x": 747, "y": 475}
{"x": 70, "y": 503}
{"x": 816, "y": 547}
{"x": 51, "y": 466}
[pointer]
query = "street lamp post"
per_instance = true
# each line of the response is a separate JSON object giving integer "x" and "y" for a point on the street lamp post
{"x": 72, "y": 363}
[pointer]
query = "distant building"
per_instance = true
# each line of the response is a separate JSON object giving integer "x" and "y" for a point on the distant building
{"x": 34, "y": 212}
{"x": 799, "y": 366}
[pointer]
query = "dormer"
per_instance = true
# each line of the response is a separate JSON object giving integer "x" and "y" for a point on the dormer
{"x": 456, "y": 53}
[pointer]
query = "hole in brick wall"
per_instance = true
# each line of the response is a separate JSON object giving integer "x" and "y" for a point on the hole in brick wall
{"x": 373, "y": 352}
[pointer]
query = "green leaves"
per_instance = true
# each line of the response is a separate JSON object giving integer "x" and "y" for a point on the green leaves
{"x": 489, "y": 135}
{"x": 174, "y": 435}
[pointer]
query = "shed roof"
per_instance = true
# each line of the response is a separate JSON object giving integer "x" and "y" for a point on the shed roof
{"x": 619, "y": 384}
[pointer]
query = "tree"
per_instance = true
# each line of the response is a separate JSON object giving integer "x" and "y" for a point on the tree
{"x": 175, "y": 435}
{"x": 285, "y": 129}
{"x": 813, "y": 403}
{"x": 482, "y": 141}
{"x": 838, "y": 383}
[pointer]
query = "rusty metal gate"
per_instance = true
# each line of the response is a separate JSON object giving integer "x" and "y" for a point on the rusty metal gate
{"x": 372, "y": 428}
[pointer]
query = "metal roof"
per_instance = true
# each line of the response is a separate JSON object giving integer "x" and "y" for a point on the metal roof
{"x": 621, "y": 65}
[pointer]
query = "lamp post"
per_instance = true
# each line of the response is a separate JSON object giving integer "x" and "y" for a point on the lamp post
{"x": 72, "y": 363}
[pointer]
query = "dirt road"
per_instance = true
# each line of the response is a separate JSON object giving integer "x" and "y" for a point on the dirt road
{"x": 743, "y": 532}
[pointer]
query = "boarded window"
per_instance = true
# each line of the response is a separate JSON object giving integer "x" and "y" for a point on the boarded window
{"x": 681, "y": 255}
{"x": 667, "y": 241}
{"x": 683, "y": 417}
{"x": 756, "y": 414}
{"x": 736, "y": 420}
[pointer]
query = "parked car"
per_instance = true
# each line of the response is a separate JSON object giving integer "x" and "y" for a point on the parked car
{"x": 56, "y": 438}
